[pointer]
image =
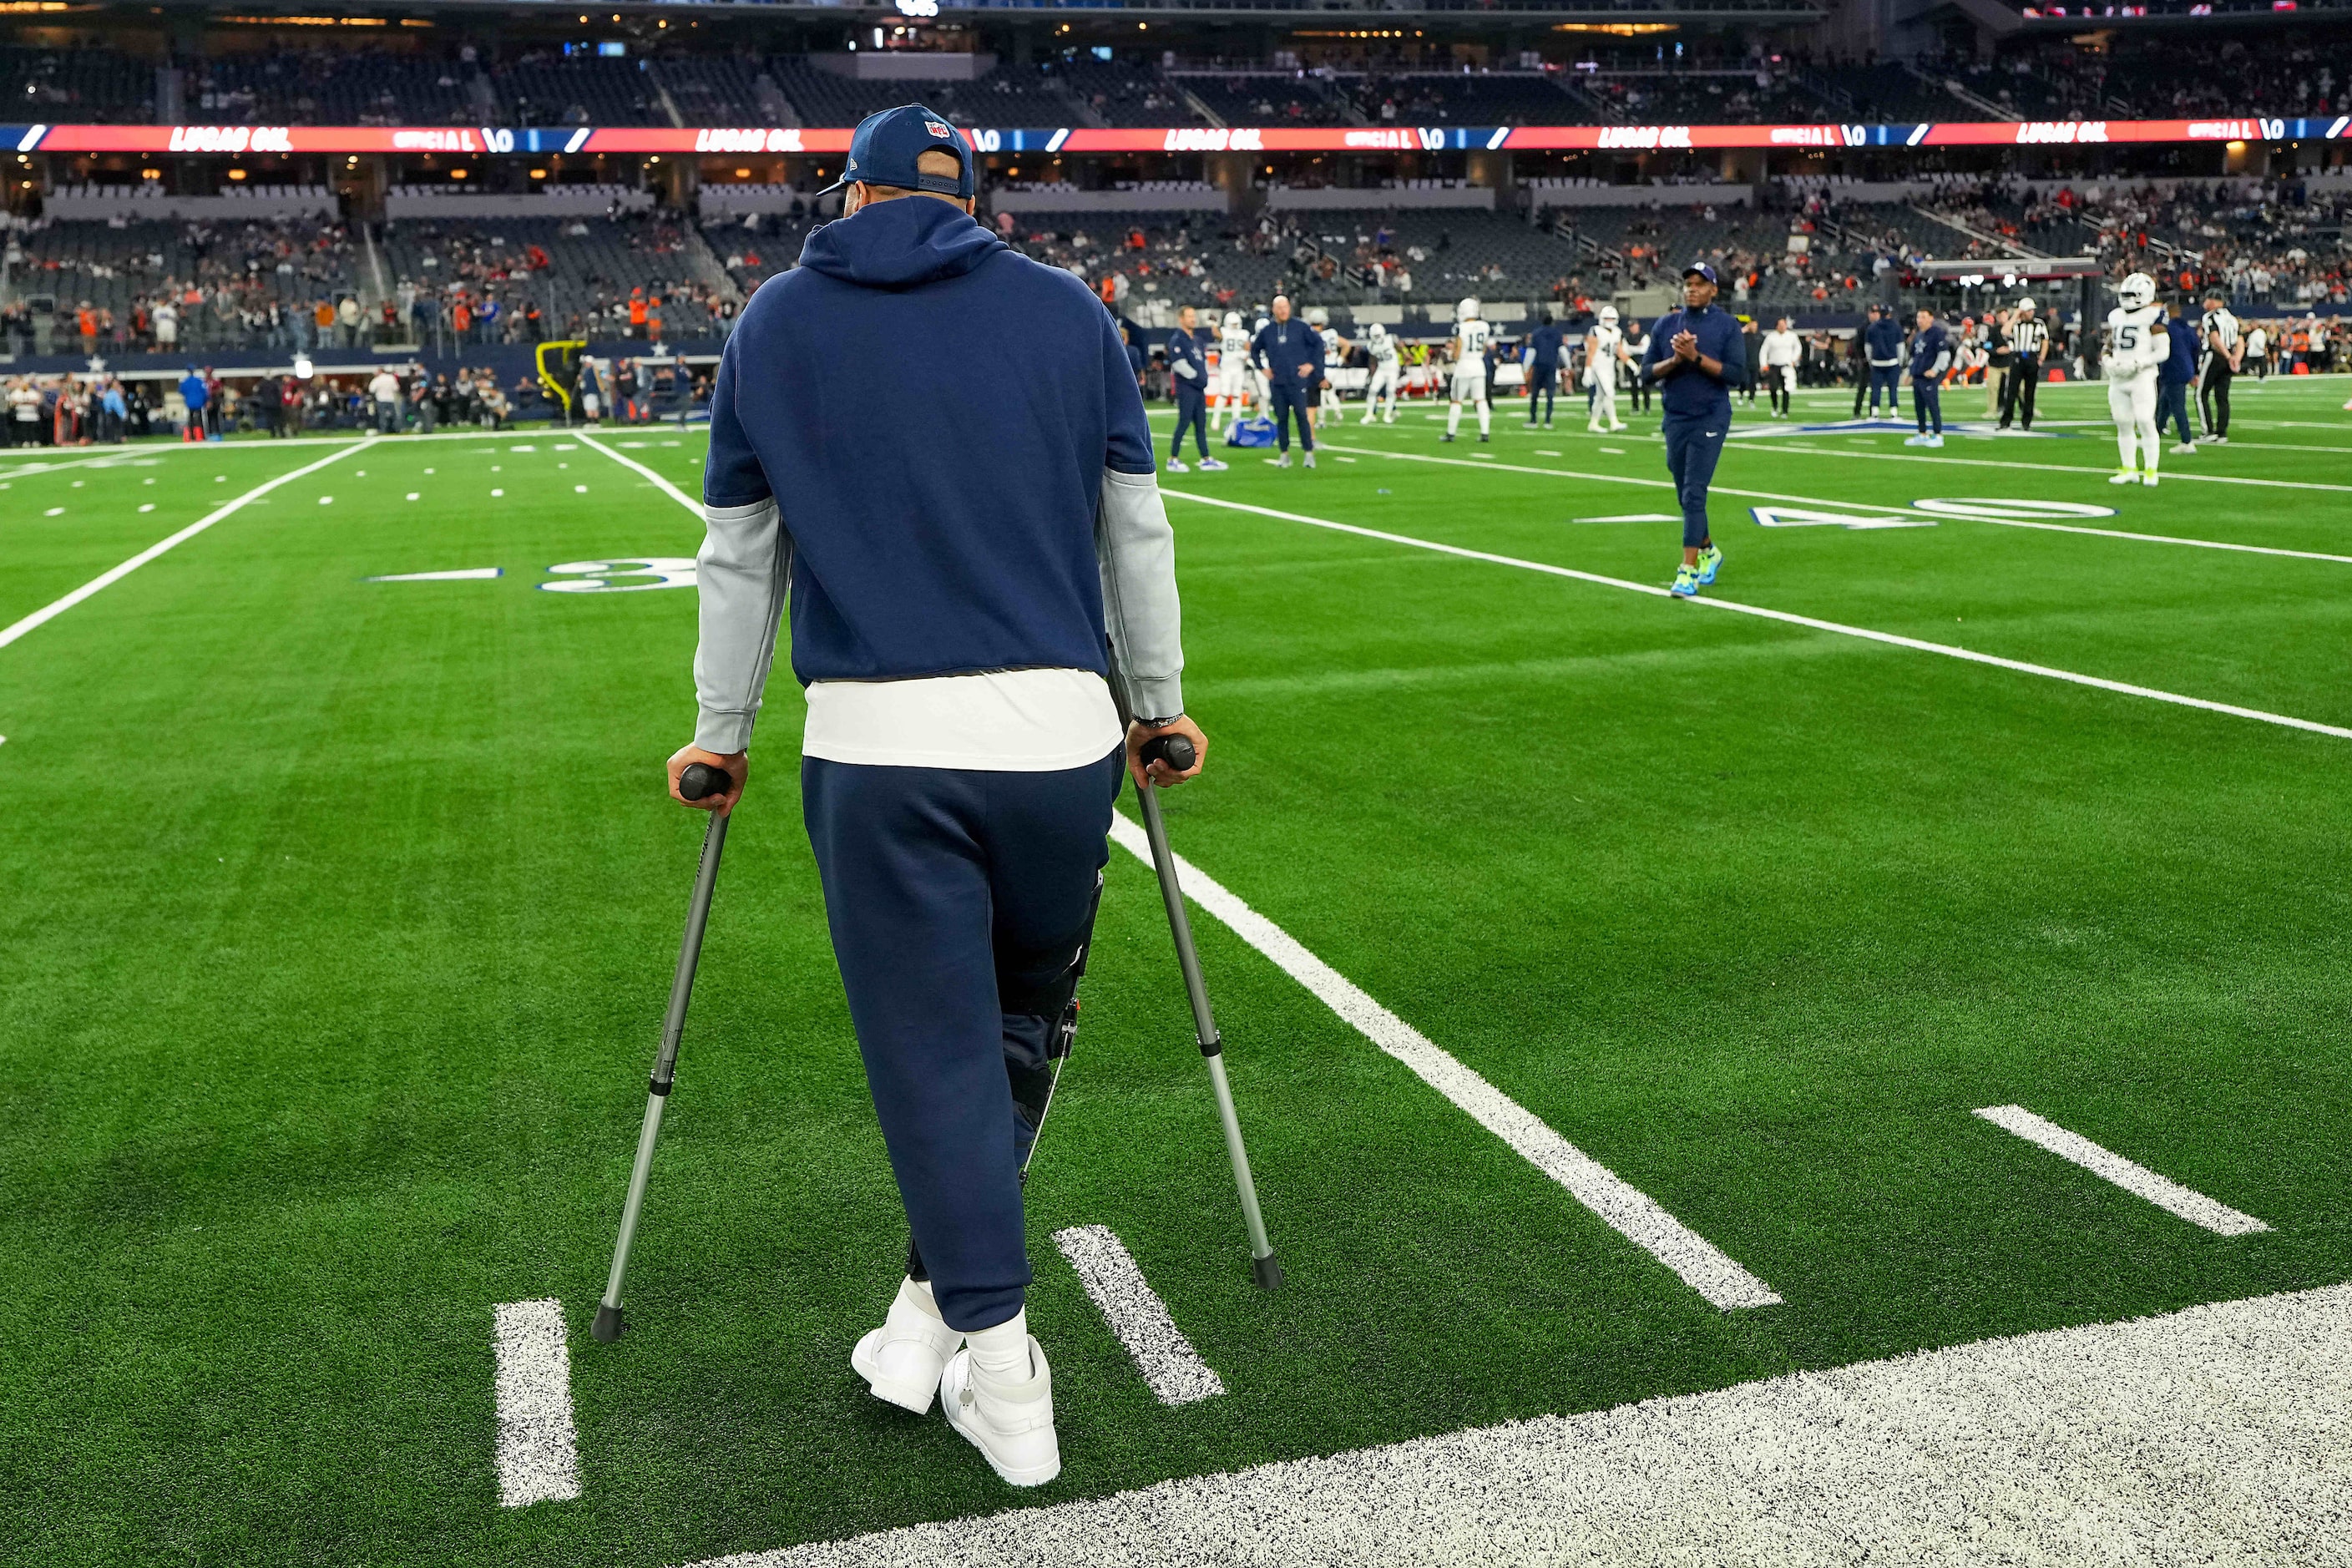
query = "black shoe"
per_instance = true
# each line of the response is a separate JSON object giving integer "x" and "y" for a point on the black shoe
{"x": 1482, "y": 437}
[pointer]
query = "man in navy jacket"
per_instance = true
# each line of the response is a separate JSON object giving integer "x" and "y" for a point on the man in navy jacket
{"x": 1695, "y": 357}
{"x": 1883, "y": 341}
{"x": 2173, "y": 376}
{"x": 1188, "y": 372}
{"x": 952, "y": 565}
{"x": 1291, "y": 354}
{"x": 1931, "y": 357}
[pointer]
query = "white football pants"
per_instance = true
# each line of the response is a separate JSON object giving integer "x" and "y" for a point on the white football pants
{"x": 1383, "y": 384}
{"x": 2131, "y": 401}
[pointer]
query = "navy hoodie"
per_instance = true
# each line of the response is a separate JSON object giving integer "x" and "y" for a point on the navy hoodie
{"x": 939, "y": 527}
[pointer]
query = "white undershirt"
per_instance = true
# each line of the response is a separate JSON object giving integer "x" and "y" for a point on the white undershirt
{"x": 1008, "y": 720}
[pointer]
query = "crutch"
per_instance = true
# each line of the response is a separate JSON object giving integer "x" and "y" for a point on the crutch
{"x": 1177, "y": 752}
{"x": 696, "y": 780}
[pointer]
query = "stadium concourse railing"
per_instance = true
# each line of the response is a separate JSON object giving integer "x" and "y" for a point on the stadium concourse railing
{"x": 542, "y": 141}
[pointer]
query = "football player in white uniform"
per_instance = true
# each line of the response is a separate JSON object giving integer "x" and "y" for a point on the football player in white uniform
{"x": 2137, "y": 344}
{"x": 1335, "y": 352}
{"x": 1233, "y": 380}
{"x": 1471, "y": 337}
{"x": 1605, "y": 351}
{"x": 1385, "y": 372}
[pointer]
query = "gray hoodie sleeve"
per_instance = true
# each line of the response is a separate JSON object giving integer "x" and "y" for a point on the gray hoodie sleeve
{"x": 743, "y": 573}
{"x": 1137, "y": 551}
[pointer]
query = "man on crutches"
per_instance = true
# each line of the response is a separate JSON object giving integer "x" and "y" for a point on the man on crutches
{"x": 952, "y": 565}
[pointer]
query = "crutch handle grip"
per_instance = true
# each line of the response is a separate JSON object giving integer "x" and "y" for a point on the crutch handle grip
{"x": 1176, "y": 751}
{"x": 701, "y": 781}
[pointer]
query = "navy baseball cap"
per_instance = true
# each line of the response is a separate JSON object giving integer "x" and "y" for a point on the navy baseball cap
{"x": 884, "y": 151}
{"x": 1703, "y": 269}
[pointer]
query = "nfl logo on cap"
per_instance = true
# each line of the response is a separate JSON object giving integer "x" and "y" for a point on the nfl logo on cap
{"x": 937, "y": 129}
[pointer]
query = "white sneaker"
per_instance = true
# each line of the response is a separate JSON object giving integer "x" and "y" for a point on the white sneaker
{"x": 1620, "y": 425}
{"x": 1011, "y": 1423}
{"x": 1918, "y": 440}
{"x": 902, "y": 1360}
{"x": 1934, "y": 441}
{"x": 2149, "y": 481}
{"x": 2127, "y": 477}
{"x": 2184, "y": 448}
{"x": 1283, "y": 461}
{"x": 1310, "y": 459}
{"x": 1212, "y": 466}
{"x": 1176, "y": 466}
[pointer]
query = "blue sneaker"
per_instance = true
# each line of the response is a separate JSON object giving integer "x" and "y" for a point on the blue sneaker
{"x": 1685, "y": 582}
{"x": 1709, "y": 561}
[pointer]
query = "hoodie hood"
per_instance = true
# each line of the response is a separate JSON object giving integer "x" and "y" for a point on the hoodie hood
{"x": 900, "y": 244}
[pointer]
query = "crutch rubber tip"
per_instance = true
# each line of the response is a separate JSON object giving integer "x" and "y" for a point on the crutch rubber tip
{"x": 608, "y": 1325}
{"x": 1266, "y": 1272}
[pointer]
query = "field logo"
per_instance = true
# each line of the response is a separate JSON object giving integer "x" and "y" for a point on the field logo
{"x": 622, "y": 576}
{"x": 1927, "y": 513}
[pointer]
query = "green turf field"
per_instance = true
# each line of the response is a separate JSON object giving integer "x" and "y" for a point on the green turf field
{"x": 337, "y": 917}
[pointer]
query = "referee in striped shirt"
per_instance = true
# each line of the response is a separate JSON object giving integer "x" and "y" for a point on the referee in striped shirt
{"x": 2028, "y": 338}
{"x": 2224, "y": 349}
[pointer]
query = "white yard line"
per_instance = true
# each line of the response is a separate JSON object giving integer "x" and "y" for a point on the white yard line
{"x": 1630, "y": 1212}
{"x": 539, "y": 1459}
{"x": 2170, "y": 472}
{"x": 2220, "y": 1433}
{"x": 2193, "y": 1206}
{"x": 1171, "y": 1366}
{"x": 674, "y": 493}
{"x": 1811, "y": 623}
{"x": 1866, "y": 506}
{"x": 106, "y": 579}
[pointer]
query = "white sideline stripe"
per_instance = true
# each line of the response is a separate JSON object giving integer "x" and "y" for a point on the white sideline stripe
{"x": 1865, "y": 506}
{"x": 2220, "y": 1433}
{"x": 676, "y": 494}
{"x": 2193, "y": 1206}
{"x": 539, "y": 1459}
{"x": 1171, "y": 1366}
{"x": 1892, "y": 639}
{"x": 1630, "y": 1212}
{"x": 2171, "y": 473}
{"x": 108, "y": 578}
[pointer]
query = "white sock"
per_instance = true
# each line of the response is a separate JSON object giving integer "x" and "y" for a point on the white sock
{"x": 1486, "y": 418}
{"x": 1453, "y": 419}
{"x": 917, "y": 1293}
{"x": 1002, "y": 1351}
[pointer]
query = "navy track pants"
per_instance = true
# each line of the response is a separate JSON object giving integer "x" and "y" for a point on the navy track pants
{"x": 1693, "y": 448}
{"x": 948, "y": 891}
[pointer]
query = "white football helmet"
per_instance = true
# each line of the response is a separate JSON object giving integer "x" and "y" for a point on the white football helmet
{"x": 1316, "y": 316}
{"x": 2025, "y": 306}
{"x": 1233, "y": 321}
{"x": 1376, "y": 331}
{"x": 1608, "y": 315}
{"x": 2136, "y": 291}
{"x": 1466, "y": 311}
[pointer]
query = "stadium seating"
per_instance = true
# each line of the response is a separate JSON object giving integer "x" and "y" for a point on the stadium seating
{"x": 546, "y": 89}
{"x": 1457, "y": 98}
{"x": 1265, "y": 98}
{"x": 572, "y": 268}
{"x": 1745, "y": 97}
{"x": 1008, "y": 95}
{"x": 1127, "y": 94}
{"x": 331, "y": 90}
{"x": 90, "y": 85}
{"x": 713, "y": 91}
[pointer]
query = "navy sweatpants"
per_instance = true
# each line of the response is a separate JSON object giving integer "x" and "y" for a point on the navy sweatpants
{"x": 1927, "y": 406}
{"x": 1544, "y": 383}
{"x": 1693, "y": 448}
{"x": 1191, "y": 411}
{"x": 2172, "y": 404}
{"x": 950, "y": 891}
{"x": 1289, "y": 395}
{"x": 1887, "y": 378}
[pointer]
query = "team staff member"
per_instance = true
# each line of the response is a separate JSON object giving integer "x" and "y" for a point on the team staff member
{"x": 1696, "y": 356}
{"x": 1188, "y": 372}
{"x": 2224, "y": 351}
{"x": 949, "y": 591}
{"x": 2173, "y": 376}
{"x": 1931, "y": 356}
{"x": 1291, "y": 354}
{"x": 2028, "y": 341}
{"x": 1882, "y": 340}
{"x": 1545, "y": 345}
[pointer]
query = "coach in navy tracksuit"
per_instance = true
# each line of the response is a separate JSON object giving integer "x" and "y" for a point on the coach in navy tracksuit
{"x": 950, "y": 588}
{"x": 1188, "y": 372}
{"x": 2173, "y": 376}
{"x": 1931, "y": 357}
{"x": 1544, "y": 345}
{"x": 1291, "y": 354}
{"x": 1882, "y": 340}
{"x": 1696, "y": 357}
